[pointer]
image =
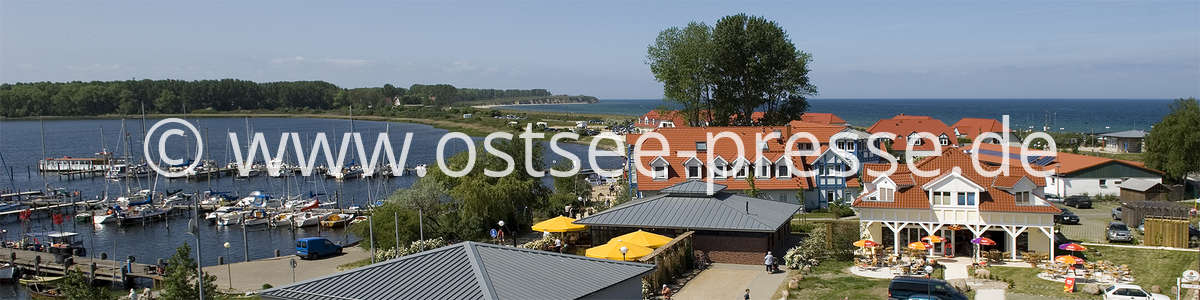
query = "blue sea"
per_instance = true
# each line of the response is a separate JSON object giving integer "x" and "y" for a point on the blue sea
{"x": 1077, "y": 115}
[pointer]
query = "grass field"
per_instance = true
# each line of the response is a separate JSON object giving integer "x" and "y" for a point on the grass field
{"x": 831, "y": 281}
{"x": 1150, "y": 267}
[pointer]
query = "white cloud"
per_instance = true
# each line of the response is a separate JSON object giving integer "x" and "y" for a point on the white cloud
{"x": 346, "y": 62}
{"x": 340, "y": 62}
{"x": 287, "y": 60}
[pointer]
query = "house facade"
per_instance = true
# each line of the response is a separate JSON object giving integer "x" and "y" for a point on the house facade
{"x": 762, "y": 166}
{"x": 958, "y": 204}
{"x": 1128, "y": 141}
{"x": 1076, "y": 174}
{"x": 907, "y": 127}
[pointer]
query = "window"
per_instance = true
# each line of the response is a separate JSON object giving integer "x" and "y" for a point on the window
{"x": 966, "y": 198}
{"x": 660, "y": 172}
{"x": 915, "y": 139}
{"x": 944, "y": 140}
{"x": 693, "y": 171}
{"x": 1103, "y": 182}
{"x": 741, "y": 171}
{"x": 803, "y": 146}
{"x": 702, "y": 146}
{"x": 764, "y": 171}
{"x": 1022, "y": 198}
{"x": 782, "y": 171}
{"x": 886, "y": 194}
{"x": 721, "y": 171}
{"x": 941, "y": 198}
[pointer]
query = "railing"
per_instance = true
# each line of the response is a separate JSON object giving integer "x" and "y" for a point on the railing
{"x": 671, "y": 260}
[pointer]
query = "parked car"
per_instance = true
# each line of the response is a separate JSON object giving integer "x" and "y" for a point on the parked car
{"x": 1053, "y": 198}
{"x": 1116, "y": 213}
{"x": 1131, "y": 292}
{"x": 904, "y": 287}
{"x": 1066, "y": 217}
{"x": 1118, "y": 232}
{"x": 1078, "y": 201}
{"x": 316, "y": 247}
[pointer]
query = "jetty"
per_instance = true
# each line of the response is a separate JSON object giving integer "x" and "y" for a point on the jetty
{"x": 46, "y": 263}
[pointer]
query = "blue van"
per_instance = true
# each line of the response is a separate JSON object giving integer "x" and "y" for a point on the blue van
{"x": 316, "y": 247}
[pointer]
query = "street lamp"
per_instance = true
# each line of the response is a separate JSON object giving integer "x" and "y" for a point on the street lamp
{"x": 623, "y": 251}
{"x": 229, "y": 266}
{"x": 501, "y": 223}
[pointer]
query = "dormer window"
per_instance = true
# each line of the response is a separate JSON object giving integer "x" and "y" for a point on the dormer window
{"x": 886, "y": 195}
{"x": 762, "y": 145}
{"x": 764, "y": 171}
{"x": 720, "y": 168}
{"x": 660, "y": 172}
{"x": 693, "y": 167}
{"x": 915, "y": 139}
{"x": 1023, "y": 198}
{"x": 741, "y": 171}
{"x": 693, "y": 171}
{"x": 804, "y": 146}
{"x": 966, "y": 199}
{"x": 944, "y": 140}
{"x": 942, "y": 198}
{"x": 782, "y": 171}
{"x": 701, "y": 146}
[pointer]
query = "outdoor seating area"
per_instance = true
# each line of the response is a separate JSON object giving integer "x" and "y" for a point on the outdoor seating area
{"x": 877, "y": 261}
{"x": 1070, "y": 266}
{"x": 629, "y": 247}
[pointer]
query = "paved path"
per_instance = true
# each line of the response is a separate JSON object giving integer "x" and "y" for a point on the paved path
{"x": 250, "y": 276}
{"x": 957, "y": 269}
{"x": 730, "y": 281}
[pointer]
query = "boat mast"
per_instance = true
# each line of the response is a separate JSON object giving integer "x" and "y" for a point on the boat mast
{"x": 45, "y": 184}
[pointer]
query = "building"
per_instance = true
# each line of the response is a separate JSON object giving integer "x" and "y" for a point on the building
{"x": 1129, "y": 141}
{"x": 970, "y": 128}
{"x": 729, "y": 228}
{"x": 1136, "y": 189}
{"x": 471, "y": 270}
{"x": 822, "y": 118}
{"x": 772, "y": 172}
{"x": 906, "y": 128}
{"x": 958, "y": 204}
{"x": 1076, "y": 174}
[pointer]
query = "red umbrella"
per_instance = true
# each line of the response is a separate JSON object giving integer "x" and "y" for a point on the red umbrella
{"x": 1072, "y": 247}
{"x": 983, "y": 241}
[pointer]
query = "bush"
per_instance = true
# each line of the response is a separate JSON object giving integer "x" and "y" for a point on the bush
{"x": 414, "y": 247}
{"x": 267, "y": 286}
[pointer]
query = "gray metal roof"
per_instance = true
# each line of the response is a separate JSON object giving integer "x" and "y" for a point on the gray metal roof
{"x": 469, "y": 270}
{"x": 1126, "y": 134}
{"x": 1137, "y": 184}
{"x": 722, "y": 212}
{"x": 693, "y": 187}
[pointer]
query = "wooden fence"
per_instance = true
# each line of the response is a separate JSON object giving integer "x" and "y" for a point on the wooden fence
{"x": 1166, "y": 232}
{"x": 671, "y": 260}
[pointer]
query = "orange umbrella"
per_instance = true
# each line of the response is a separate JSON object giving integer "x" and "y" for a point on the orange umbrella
{"x": 933, "y": 239}
{"x": 919, "y": 246}
{"x": 1068, "y": 259}
{"x": 1072, "y": 247}
{"x": 865, "y": 243}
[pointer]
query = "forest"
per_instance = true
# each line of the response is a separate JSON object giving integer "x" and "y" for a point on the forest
{"x": 79, "y": 98}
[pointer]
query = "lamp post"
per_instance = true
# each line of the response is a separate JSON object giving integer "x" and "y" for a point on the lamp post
{"x": 623, "y": 251}
{"x": 501, "y": 223}
{"x": 229, "y": 266}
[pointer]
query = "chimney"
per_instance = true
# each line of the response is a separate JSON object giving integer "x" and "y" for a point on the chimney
{"x": 747, "y": 207}
{"x": 789, "y": 131}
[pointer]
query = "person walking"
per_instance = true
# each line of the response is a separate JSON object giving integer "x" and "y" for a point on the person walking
{"x": 769, "y": 261}
{"x": 666, "y": 292}
{"x": 747, "y": 295}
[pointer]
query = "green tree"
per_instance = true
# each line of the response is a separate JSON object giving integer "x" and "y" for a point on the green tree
{"x": 180, "y": 282}
{"x": 76, "y": 287}
{"x": 751, "y": 190}
{"x": 680, "y": 58}
{"x": 1173, "y": 145}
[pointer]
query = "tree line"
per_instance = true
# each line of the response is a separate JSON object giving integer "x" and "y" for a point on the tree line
{"x": 78, "y": 98}
{"x": 740, "y": 65}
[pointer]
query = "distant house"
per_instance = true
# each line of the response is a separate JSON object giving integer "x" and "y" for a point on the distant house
{"x": 1076, "y": 174}
{"x": 1135, "y": 189}
{"x": 772, "y": 172}
{"x": 468, "y": 116}
{"x": 1128, "y": 141}
{"x": 970, "y": 128}
{"x": 959, "y": 204}
{"x": 822, "y": 118}
{"x": 729, "y": 228}
{"x": 907, "y": 127}
{"x": 471, "y": 270}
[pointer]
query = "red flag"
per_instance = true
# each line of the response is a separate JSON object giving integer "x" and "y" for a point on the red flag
{"x": 316, "y": 203}
{"x": 58, "y": 219}
{"x": 25, "y": 214}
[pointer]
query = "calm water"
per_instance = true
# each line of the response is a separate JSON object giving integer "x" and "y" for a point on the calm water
{"x": 20, "y": 146}
{"x": 1080, "y": 115}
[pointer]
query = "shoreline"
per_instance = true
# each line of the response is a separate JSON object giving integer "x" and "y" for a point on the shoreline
{"x": 487, "y": 106}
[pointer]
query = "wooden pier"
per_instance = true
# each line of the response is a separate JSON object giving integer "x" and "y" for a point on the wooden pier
{"x": 46, "y": 263}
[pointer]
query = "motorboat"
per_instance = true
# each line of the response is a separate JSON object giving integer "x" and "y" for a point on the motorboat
{"x": 308, "y": 219}
{"x": 212, "y": 216}
{"x": 230, "y": 218}
{"x": 337, "y": 220}
{"x": 256, "y": 218}
{"x": 282, "y": 219}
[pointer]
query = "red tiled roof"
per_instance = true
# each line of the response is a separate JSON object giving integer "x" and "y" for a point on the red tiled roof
{"x": 653, "y": 118}
{"x": 822, "y": 118}
{"x": 992, "y": 199}
{"x": 972, "y": 127}
{"x": 1064, "y": 163}
{"x": 903, "y": 125}
{"x": 685, "y": 138}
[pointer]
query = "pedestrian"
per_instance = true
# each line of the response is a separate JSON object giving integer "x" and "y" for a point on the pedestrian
{"x": 747, "y": 295}
{"x": 666, "y": 292}
{"x": 558, "y": 244}
{"x": 769, "y": 261}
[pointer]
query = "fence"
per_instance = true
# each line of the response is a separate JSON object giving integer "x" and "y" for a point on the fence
{"x": 1133, "y": 212}
{"x": 672, "y": 259}
{"x": 1166, "y": 232}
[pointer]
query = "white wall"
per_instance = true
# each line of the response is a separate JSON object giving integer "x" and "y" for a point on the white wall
{"x": 1090, "y": 186}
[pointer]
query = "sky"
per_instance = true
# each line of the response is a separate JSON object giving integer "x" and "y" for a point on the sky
{"x": 896, "y": 49}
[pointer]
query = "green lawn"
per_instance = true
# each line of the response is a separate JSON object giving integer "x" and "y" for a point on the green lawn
{"x": 1150, "y": 267}
{"x": 831, "y": 281}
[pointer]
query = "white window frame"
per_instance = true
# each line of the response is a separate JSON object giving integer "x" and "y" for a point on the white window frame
{"x": 944, "y": 140}
{"x": 660, "y": 172}
{"x": 942, "y": 198}
{"x": 1023, "y": 198}
{"x": 970, "y": 198}
{"x": 915, "y": 139}
{"x": 701, "y": 146}
{"x": 886, "y": 195}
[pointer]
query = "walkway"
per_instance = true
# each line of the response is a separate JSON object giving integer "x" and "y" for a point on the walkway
{"x": 730, "y": 281}
{"x": 277, "y": 271}
{"x": 956, "y": 268}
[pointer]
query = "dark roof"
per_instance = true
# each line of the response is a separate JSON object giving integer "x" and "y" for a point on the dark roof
{"x": 693, "y": 187}
{"x": 721, "y": 211}
{"x": 1140, "y": 185}
{"x": 469, "y": 270}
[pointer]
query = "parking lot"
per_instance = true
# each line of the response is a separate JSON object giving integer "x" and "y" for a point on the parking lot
{"x": 1092, "y": 222}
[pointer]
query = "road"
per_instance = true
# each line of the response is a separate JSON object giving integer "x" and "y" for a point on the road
{"x": 250, "y": 276}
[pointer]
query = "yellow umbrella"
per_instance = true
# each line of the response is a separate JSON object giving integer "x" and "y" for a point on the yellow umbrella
{"x": 1068, "y": 259}
{"x": 865, "y": 243}
{"x": 558, "y": 224}
{"x": 933, "y": 239}
{"x": 612, "y": 251}
{"x": 644, "y": 239}
{"x": 919, "y": 246}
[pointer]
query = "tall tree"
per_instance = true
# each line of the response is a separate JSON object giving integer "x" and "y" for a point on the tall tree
{"x": 725, "y": 73}
{"x": 1173, "y": 145}
{"x": 76, "y": 287}
{"x": 680, "y": 59}
{"x": 180, "y": 282}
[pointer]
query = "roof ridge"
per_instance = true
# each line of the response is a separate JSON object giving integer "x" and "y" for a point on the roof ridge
{"x": 364, "y": 268}
{"x": 738, "y": 210}
{"x": 478, "y": 267}
{"x": 622, "y": 206}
